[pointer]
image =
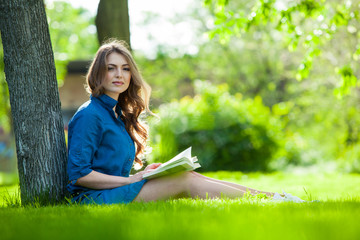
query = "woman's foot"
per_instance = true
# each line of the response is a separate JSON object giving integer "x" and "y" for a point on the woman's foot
{"x": 286, "y": 197}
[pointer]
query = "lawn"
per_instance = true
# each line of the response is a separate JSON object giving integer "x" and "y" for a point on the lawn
{"x": 335, "y": 217}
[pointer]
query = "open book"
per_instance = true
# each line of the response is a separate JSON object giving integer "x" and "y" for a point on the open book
{"x": 181, "y": 162}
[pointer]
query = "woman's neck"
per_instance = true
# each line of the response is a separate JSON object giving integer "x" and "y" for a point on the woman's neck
{"x": 114, "y": 96}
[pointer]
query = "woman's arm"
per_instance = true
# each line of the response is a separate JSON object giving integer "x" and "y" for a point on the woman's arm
{"x": 97, "y": 180}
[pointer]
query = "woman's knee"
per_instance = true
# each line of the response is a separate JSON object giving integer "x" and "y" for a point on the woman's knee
{"x": 187, "y": 180}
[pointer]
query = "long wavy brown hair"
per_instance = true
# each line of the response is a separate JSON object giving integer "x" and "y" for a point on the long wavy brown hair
{"x": 133, "y": 101}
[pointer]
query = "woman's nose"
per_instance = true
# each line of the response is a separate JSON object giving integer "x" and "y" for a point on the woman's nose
{"x": 119, "y": 73}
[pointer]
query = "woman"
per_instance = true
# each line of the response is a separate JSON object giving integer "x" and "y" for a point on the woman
{"x": 105, "y": 138}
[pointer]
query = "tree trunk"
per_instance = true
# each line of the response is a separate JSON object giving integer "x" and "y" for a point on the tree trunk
{"x": 112, "y": 20}
{"x": 34, "y": 99}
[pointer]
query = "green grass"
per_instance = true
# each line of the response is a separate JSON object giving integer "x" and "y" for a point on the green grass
{"x": 9, "y": 195}
{"x": 321, "y": 186}
{"x": 335, "y": 217}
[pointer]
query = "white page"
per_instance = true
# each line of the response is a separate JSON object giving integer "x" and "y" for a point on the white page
{"x": 186, "y": 153}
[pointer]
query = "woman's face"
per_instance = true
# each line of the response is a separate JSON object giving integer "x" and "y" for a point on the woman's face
{"x": 118, "y": 75}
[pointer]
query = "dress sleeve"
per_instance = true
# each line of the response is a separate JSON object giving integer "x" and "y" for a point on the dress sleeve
{"x": 85, "y": 133}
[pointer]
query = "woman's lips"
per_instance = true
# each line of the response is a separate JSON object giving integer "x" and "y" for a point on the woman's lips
{"x": 118, "y": 83}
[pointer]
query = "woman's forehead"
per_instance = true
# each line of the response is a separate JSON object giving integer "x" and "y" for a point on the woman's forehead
{"x": 116, "y": 59}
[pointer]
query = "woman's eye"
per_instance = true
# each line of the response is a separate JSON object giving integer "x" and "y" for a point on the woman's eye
{"x": 126, "y": 69}
{"x": 110, "y": 68}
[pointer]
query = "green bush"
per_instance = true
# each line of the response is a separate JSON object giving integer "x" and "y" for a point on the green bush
{"x": 225, "y": 131}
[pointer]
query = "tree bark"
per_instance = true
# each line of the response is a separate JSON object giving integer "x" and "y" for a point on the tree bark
{"x": 34, "y": 99}
{"x": 112, "y": 20}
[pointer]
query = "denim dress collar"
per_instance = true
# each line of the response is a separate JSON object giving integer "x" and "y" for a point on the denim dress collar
{"x": 109, "y": 103}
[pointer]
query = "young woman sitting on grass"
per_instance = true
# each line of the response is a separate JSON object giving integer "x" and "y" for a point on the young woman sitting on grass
{"x": 105, "y": 138}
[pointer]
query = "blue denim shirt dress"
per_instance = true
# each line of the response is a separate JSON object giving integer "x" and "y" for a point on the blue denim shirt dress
{"x": 98, "y": 140}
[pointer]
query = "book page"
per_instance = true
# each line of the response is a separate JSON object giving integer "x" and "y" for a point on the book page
{"x": 174, "y": 163}
{"x": 184, "y": 154}
{"x": 178, "y": 167}
{"x": 181, "y": 162}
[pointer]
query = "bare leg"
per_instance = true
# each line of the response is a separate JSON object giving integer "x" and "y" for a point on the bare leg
{"x": 187, "y": 184}
{"x": 243, "y": 188}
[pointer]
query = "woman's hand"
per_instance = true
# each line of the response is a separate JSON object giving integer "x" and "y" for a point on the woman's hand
{"x": 137, "y": 177}
{"x": 152, "y": 166}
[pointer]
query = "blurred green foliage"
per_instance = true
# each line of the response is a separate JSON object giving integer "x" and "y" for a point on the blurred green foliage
{"x": 226, "y": 131}
{"x": 320, "y": 126}
{"x": 73, "y": 34}
{"x": 314, "y": 25}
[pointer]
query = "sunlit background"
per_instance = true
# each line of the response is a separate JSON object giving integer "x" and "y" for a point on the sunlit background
{"x": 154, "y": 24}
{"x": 247, "y": 93}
